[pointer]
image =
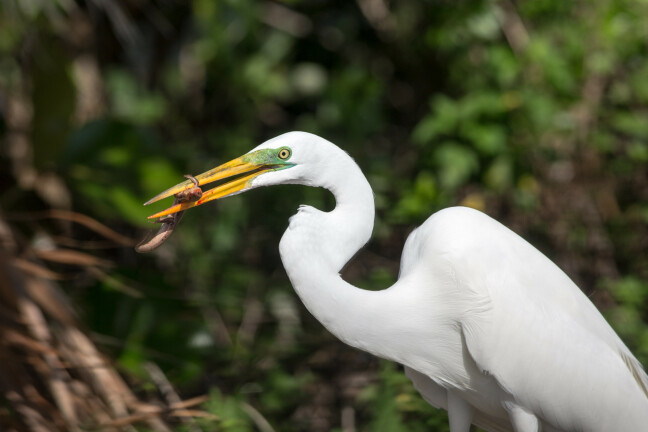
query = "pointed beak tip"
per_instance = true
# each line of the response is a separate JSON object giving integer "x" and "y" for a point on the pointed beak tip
{"x": 152, "y": 200}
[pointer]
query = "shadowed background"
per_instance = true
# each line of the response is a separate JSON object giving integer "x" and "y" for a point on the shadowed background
{"x": 535, "y": 112}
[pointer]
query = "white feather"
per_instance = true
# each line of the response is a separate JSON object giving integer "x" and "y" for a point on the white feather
{"x": 482, "y": 321}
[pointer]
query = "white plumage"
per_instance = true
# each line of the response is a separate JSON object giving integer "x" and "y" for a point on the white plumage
{"x": 477, "y": 312}
{"x": 486, "y": 326}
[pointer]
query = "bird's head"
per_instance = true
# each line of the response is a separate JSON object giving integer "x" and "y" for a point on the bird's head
{"x": 294, "y": 157}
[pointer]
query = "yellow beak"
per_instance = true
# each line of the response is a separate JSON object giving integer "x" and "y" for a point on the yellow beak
{"x": 246, "y": 164}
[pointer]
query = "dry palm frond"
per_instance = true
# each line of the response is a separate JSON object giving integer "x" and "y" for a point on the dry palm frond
{"x": 53, "y": 376}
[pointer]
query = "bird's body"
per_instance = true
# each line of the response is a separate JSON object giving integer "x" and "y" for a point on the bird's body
{"x": 486, "y": 326}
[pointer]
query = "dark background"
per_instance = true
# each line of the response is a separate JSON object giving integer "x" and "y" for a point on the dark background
{"x": 535, "y": 112}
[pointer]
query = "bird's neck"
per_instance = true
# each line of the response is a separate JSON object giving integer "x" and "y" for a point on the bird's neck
{"x": 318, "y": 244}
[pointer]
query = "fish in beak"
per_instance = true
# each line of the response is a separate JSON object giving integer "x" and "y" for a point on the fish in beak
{"x": 244, "y": 169}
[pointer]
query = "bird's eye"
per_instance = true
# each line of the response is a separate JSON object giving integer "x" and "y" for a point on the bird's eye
{"x": 284, "y": 153}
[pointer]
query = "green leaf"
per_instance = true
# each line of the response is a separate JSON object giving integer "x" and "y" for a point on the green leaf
{"x": 443, "y": 119}
{"x": 488, "y": 139}
{"x": 499, "y": 175}
{"x": 633, "y": 123}
{"x": 131, "y": 101}
{"x": 456, "y": 163}
{"x": 629, "y": 291}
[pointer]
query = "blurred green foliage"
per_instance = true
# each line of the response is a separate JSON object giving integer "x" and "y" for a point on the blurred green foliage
{"x": 534, "y": 112}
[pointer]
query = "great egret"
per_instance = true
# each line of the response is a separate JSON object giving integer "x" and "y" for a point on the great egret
{"x": 486, "y": 326}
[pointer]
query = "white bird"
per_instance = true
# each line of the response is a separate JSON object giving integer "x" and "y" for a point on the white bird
{"x": 485, "y": 325}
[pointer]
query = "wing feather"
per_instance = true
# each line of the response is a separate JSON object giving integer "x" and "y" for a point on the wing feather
{"x": 534, "y": 330}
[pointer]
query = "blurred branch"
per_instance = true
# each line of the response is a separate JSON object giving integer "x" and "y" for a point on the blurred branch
{"x": 252, "y": 316}
{"x": 168, "y": 392}
{"x": 36, "y": 270}
{"x": 585, "y": 112}
{"x": 285, "y": 19}
{"x": 71, "y": 257}
{"x": 125, "y": 30}
{"x": 513, "y": 27}
{"x": 19, "y": 114}
{"x": 90, "y": 103}
{"x": 85, "y": 220}
{"x": 115, "y": 283}
{"x": 216, "y": 325}
{"x": 257, "y": 418}
{"x": 177, "y": 410}
{"x": 347, "y": 419}
{"x": 378, "y": 15}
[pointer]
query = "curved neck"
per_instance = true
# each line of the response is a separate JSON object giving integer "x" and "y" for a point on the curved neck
{"x": 318, "y": 244}
{"x": 325, "y": 241}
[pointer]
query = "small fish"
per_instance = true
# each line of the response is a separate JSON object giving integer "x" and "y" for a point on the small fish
{"x": 170, "y": 222}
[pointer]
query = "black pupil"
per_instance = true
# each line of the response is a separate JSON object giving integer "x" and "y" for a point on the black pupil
{"x": 283, "y": 154}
